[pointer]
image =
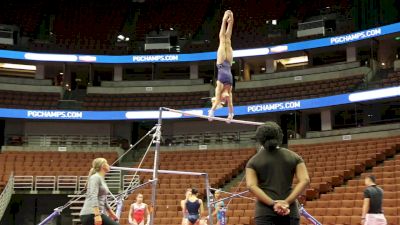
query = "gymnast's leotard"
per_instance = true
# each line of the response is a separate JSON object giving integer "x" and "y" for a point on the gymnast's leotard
{"x": 220, "y": 205}
{"x": 225, "y": 73}
{"x": 138, "y": 212}
{"x": 193, "y": 210}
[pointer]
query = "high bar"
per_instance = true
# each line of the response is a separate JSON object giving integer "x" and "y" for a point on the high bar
{"x": 159, "y": 171}
{"x": 214, "y": 118}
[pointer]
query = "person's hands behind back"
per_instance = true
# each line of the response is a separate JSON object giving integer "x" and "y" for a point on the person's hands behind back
{"x": 281, "y": 208}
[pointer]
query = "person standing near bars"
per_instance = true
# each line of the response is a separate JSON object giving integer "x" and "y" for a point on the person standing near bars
{"x": 95, "y": 208}
{"x": 269, "y": 176}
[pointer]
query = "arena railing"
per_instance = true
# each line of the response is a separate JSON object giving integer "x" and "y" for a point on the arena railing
{"x": 23, "y": 183}
{"x": 63, "y": 182}
{"x": 68, "y": 140}
{"x": 5, "y": 196}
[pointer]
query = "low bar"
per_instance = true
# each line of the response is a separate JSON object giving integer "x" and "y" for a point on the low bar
{"x": 215, "y": 118}
{"x": 50, "y": 217}
{"x": 308, "y": 216}
{"x": 159, "y": 171}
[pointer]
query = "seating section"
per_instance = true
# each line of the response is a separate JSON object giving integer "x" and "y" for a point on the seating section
{"x": 29, "y": 100}
{"x": 24, "y": 13}
{"x": 344, "y": 204}
{"x": 221, "y": 165}
{"x": 74, "y": 31}
{"x": 302, "y": 90}
{"x": 142, "y": 101}
{"x": 252, "y": 32}
{"x": 393, "y": 79}
{"x": 72, "y": 22}
{"x": 331, "y": 164}
{"x": 159, "y": 15}
{"x": 30, "y": 163}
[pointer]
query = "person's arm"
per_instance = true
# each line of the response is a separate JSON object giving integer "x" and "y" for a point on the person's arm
{"x": 183, "y": 206}
{"x": 112, "y": 214}
{"x": 304, "y": 181}
{"x": 201, "y": 208}
{"x": 92, "y": 196}
{"x": 252, "y": 185}
{"x": 365, "y": 209}
{"x": 147, "y": 215}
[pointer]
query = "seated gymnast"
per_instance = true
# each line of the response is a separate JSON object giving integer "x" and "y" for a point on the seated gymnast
{"x": 194, "y": 207}
{"x": 223, "y": 90}
{"x": 138, "y": 211}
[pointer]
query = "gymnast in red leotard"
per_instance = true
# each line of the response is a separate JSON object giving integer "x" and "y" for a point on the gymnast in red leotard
{"x": 138, "y": 211}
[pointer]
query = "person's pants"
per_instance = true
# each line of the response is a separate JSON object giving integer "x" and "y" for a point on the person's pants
{"x": 375, "y": 219}
{"x": 276, "y": 220}
{"x": 89, "y": 220}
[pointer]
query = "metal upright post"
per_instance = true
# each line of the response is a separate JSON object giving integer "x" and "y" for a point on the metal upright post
{"x": 156, "y": 166}
{"x": 208, "y": 192}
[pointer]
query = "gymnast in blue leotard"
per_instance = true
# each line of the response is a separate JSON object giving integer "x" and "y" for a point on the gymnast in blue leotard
{"x": 194, "y": 208}
{"x": 218, "y": 206}
{"x": 223, "y": 90}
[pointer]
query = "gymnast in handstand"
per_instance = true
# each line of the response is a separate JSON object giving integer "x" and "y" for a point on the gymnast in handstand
{"x": 223, "y": 90}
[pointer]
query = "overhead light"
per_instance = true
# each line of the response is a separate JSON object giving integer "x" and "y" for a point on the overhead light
{"x": 61, "y": 73}
{"x": 262, "y": 68}
{"x": 328, "y": 7}
{"x": 126, "y": 39}
{"x": 17, "y": 66}
{"x": 171, "y": 28}
{"x": 383, "y": 64}
{"x": 121, "y": 37}
{"x": 274, "y": 22}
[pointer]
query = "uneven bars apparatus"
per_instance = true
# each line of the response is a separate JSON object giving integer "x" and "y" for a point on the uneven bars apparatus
{"x": 308, "y": 216}
{"x": 215, "y": 118}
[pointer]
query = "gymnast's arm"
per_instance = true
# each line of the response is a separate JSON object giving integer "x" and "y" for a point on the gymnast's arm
{"x": 252, "y": 185}
{"x": 201, "y": 208}
{"x": 147, "y": 215}
{"x": 183, "y": 206}
{"x": 304, "y": 181}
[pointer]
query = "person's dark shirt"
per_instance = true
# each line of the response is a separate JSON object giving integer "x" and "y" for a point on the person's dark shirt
{"x": 275, "y": 171}
{"x": 375, "y": 195}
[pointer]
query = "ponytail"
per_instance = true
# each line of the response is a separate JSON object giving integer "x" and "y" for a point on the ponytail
{"x": 96, "y": 166}
{"x": 92, "y": 171}
{"x": 269, "y": 135}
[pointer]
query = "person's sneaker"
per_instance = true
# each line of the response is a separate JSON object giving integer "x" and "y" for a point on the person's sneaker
{"x": 210, "y": 114}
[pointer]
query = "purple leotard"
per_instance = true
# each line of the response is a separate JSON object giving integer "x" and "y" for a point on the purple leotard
{"x": 225, "y": 73}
